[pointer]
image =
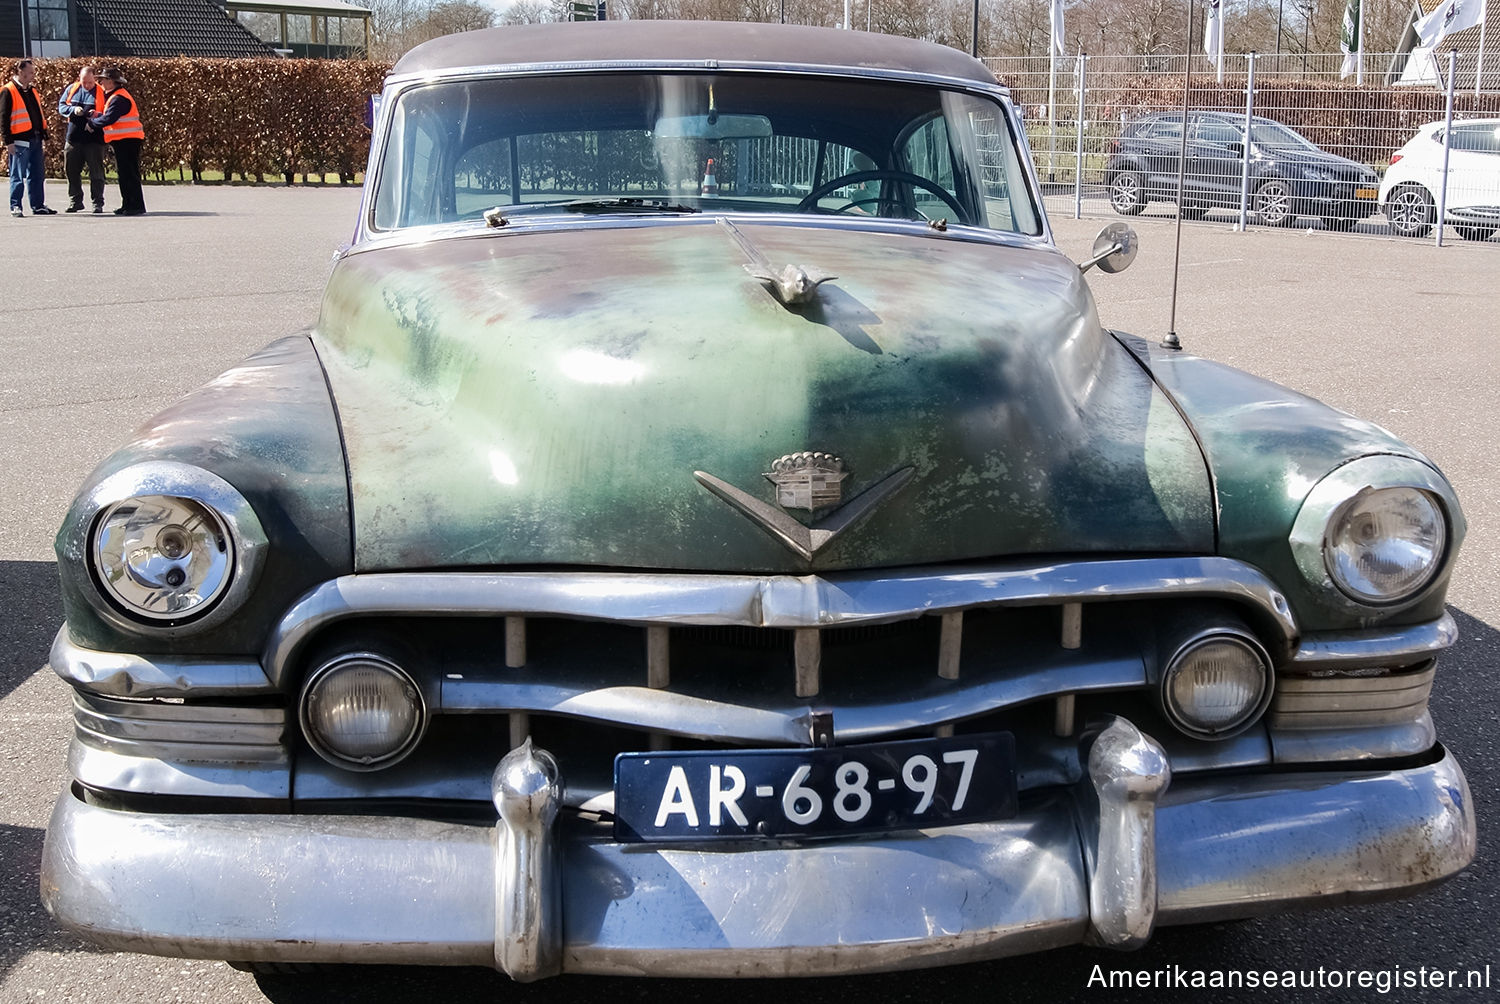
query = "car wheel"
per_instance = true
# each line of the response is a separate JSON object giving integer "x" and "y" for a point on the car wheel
{"x": 1273, "y": 204}
{"x": 1410, "y": 211}
{"x": 1471, "y": 233}
{"x": 1127, "y": 193}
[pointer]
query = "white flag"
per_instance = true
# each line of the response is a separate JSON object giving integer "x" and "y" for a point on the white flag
{"x": 1057, "y": 27}
{"x": 1213, "y": 32}
{"x": 1455, "y": 15}
{"x": 1350, "y": 41}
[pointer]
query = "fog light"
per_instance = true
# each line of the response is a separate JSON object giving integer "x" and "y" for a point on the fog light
{"x": 362, "y": 712}
{"x": 1216, "y": 685}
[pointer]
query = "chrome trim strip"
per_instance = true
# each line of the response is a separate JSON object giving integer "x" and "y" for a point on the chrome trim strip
{"x": 400, "y": 890}
{"x": 179, "y": 749}
{"x": 787, "y": 724}
{"x": 1350, "y": 702}
{"x": 405, "y": 80}
{"x": 1375, "y": 742}
{"x": 170, "y": 730}
{"x": 126, "y": 674}
{"x": 775, "y": 601}
{"x": 128, "y": 771}
{"x": 1376, "y": 647}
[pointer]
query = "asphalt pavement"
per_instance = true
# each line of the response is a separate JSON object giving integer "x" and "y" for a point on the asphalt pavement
{"x": 111, "y": 319}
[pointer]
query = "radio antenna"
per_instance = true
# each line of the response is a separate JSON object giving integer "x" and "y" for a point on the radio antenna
{"x": 1172, "y": 341}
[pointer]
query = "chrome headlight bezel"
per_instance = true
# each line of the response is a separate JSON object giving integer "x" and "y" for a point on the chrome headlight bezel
{"x": 1330, "y": 502}
{"x": 246, "y": 544}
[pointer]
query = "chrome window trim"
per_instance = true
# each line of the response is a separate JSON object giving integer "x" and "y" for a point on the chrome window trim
{"x": 770, "y": 601}
{"x": 477, "y": 229}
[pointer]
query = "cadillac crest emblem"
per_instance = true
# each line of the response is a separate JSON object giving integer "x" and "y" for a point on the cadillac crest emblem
{"x": 807, "y": 480}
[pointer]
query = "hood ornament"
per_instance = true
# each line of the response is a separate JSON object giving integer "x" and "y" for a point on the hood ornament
{"x": 793, "y": 285}
{"x": 808, "y": 481}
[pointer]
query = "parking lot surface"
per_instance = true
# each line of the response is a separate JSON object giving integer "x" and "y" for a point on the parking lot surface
{"x": 112, "y": 319}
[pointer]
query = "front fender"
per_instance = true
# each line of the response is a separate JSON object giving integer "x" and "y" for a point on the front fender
{"x": 1267, "y": 447}
{"x": 268, "y": 427}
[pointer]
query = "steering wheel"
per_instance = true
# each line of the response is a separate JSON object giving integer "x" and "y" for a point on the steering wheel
{"x": 810, "y": 200}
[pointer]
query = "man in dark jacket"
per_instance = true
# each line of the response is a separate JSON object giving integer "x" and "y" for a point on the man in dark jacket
{"x": 121, "y": 122}
{"x": 23, "y": 131}
{"x": 85, "y": 143}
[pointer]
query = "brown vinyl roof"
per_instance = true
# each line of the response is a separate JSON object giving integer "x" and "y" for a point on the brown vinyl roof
{"x": 725, "y": 42}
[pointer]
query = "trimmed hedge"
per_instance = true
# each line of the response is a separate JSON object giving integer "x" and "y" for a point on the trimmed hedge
{"x": 250, "y": 118}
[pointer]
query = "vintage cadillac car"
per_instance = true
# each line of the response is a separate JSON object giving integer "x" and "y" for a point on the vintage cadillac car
{"x": 709, "y": 531}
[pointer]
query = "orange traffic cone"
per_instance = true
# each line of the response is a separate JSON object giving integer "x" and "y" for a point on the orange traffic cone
{"x": 710, "y": 184}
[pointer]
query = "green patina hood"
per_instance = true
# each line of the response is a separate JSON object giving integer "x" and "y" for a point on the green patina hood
{"x": 546, "y": 398}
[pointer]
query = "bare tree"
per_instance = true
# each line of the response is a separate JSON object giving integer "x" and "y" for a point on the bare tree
{"x": 531, "y": 12}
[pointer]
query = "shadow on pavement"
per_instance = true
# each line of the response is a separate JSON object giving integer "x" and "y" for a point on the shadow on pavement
{"x": 30, "y": 597}
{"x": 24, "y": 922}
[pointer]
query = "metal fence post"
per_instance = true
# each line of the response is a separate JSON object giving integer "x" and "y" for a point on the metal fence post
{"x": 1078, "y": 170}
{"x": 1442, "y": 206}
{"x": 1245, "y": 153}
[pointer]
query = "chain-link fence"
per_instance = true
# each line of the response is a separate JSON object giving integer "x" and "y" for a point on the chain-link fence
{"x": 1370, "y": 157}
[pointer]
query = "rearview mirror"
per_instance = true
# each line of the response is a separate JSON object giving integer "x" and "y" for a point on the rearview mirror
{"x": 713, "y": 126}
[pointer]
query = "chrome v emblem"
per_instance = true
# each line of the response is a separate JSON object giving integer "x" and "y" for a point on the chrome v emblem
{"x": 807, "y": 541}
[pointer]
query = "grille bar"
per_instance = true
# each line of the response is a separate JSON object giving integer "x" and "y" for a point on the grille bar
{"x": 777, "y": 601}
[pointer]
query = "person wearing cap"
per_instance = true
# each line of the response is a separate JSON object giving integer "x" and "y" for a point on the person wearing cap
{"x": 23, "y": 130}
{"x": 121, "y": 122}
{"x": 84, "y": 145}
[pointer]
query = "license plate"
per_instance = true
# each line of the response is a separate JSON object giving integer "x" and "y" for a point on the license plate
{"x": 1366, "y": 193}
{"x": 866, "y": 788}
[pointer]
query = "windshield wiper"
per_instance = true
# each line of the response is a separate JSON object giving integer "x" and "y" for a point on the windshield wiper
{"x": 629, "y": 205}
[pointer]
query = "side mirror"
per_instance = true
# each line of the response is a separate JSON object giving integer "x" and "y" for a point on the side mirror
{"x": 1237, "y": 148}
{"x": 1114, "y": 249}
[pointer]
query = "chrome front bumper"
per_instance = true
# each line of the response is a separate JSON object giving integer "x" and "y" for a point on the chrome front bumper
{"x": 1126, "y": 851}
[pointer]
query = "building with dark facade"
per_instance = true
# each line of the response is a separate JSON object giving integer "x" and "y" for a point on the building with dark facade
{"x": 50, "y": 29}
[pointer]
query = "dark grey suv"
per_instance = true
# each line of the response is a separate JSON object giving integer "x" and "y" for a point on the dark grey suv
{"x": 1289, "y": 176}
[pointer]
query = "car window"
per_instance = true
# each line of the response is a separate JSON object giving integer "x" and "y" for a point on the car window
{"x": 1276, "y": 136}
{"x": 751, "y": 142}
{"x": 1167, "y": 128}
{"x": 926, "y": 153}
{"x": 1476, "y": 137}
{"x": 1221, "y": 133}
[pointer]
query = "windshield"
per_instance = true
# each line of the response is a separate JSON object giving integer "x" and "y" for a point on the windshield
{"x": 679, "y": 143}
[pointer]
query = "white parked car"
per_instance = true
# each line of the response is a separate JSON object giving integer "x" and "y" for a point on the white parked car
{"x": 1409, "y": 192}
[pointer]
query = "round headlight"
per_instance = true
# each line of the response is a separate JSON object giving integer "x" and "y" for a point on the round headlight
{"x": 163, "y": 558}
{"x": 362, "y": 712}
{"x": 1216, "y": 685}
{"x": 1384, "y": 545}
